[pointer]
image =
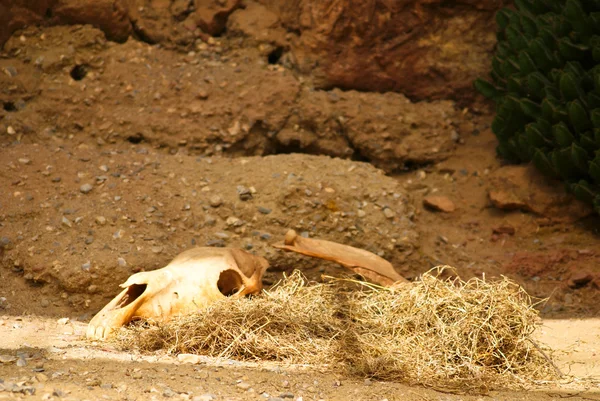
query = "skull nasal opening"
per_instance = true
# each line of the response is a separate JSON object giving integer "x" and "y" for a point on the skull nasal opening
{"x": 229, "y": 282}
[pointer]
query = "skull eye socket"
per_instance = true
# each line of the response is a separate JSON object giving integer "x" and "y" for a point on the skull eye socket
{"x": 134, "y": 291}
{"x": 229, "y": 283}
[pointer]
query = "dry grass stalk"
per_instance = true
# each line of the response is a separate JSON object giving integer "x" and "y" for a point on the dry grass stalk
{"x": 293, "y": 322}
{"x": 441, "y": 333}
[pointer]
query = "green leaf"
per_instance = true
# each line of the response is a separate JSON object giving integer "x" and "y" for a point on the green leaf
{"x": 554, "y": 110}
{"x": 578, "y": 116}
{"x": 570, "y": 50}
{"x": 543, "y": 163}
{"x": 594, "y": 169}
{"x": 587, "y": 140}
{"x": 536, "y": 82}
{"x": 516, "y": 85}
{"x": 595, "y": 117}
{"x": 596, "y": 204}
{"x": 540, "y": 51}
{"x": 574, "y": 11}
{"x": 569, "y": 86}
{"x": 579, "y": 157}
{"x": 547, "y": 38}
{"x": 555, "y": 75}
{"x": 564, "y": 166}
{"x": 535, "y": 137}
{"x": 486, "y": 89}
{"x": 506, "y": 152}
{"x": 562, "y": 134}
{"x": 498, "y": 126}
{"x": 510, "y": 67}
{"x": 595, "y": 18}
{"x": 545, "y": 128}
{"x": 575, "y": 68}
{"x": 526, "y": 63}
{"x": 529, "y": 26}
{"x": 524, "y": 149}
{"x": 593, "y": 100}
{"x": 582, "y": 191}
{"x": 503, "y": 17}
{"x": 530, "y": 108}
{"x": 515, "y": 38}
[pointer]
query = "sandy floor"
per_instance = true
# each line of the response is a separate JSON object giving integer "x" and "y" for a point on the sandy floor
{"x": 51, "y": 356}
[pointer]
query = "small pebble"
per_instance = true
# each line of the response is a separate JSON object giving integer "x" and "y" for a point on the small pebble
{"x": 86, "y": 188}
{"x": 101, "y": 220}
{"x": 7, "y": 358}
{"x": 24, "y": 161}
{"x": 439, "y": 203}
{"x": 219, "y": 243}
{"x": 244, "y": 193}
{"x": 215, "y": 201}
{"x": 66, "y": 222}
{"x": 264, "y": 210}
{"x": 189, "y": 358}
{"x": 157, "y": 249}
{"x": 205, "y": 397}
{"x": 243, "y": 386}
{"x": 389, "y": 213}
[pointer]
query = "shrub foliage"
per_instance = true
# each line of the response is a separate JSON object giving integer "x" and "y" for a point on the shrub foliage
{"x": 545, "y": 81}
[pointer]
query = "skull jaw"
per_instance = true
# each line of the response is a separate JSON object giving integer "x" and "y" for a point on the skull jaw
{"x": 194, "y": 279}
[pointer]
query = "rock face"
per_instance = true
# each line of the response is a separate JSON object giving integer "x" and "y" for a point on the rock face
{"x": 110, "y": 16}
{"x": 524, "y": 188}
{"x": 239, "y": 107}
{"x": 425, "y": 49}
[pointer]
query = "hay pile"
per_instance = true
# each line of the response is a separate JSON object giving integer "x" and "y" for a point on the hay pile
{"x": 441, "y": 333}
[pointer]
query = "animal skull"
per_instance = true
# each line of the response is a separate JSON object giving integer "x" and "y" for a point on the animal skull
{"x": 194, "y": 279}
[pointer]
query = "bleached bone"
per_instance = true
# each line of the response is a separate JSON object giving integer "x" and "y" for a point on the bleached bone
{"x": 193, "y": 280}
{"x": 365, "y": 263}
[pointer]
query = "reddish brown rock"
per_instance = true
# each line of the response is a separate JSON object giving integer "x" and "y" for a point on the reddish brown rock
{"x": 506, "y": 200}
{"x": 425, "y": 49}
{"x": 580, "y": 279}
{"x": 110, "y": 16}
{"x": 525, "y": 188}
{"x": 15, "y": 14}
{"x": 257, "y": 22}
{"x": 504, "y": 229}
{"x": 439, "y": 203}
{"x": 211, "y": 15}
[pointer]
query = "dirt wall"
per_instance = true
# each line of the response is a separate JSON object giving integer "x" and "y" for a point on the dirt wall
{"x": 425, "y": 49}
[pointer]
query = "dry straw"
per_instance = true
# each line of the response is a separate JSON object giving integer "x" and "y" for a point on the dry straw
{"x": 444, "y": 333}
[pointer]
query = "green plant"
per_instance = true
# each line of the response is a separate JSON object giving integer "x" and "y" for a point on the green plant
{"x": 545, "y": 81}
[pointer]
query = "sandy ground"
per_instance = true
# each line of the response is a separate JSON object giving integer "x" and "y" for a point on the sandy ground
{"x": 51, "y": 359}
{"x": 158, "y": 134}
